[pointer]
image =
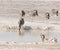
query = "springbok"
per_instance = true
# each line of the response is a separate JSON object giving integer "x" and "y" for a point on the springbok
{"x": 42, "y": 36}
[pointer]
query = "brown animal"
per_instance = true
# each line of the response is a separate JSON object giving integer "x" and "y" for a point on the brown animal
{"x": 42, "y": 36}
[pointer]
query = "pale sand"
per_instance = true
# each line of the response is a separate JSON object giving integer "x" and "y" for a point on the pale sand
{"x": 29, "y": 46}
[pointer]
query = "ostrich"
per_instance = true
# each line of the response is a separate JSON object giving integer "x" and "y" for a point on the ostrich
{"x": 35, "y": 13}
{"x": 21, "y": 22}
{"x": 23, "y": 13}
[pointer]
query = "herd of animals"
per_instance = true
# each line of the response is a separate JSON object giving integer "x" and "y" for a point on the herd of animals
{"x": 35, "y": 13}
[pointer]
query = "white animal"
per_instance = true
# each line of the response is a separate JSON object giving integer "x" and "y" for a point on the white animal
{"x": 53, "y": 40}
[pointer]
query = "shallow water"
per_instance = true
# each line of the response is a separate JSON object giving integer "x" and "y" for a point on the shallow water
{"x": 13, "y": 36}
{"x": 27, "y": 37}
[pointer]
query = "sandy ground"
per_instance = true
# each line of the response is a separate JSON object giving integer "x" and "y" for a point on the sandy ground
{"x": 29, "y": 46}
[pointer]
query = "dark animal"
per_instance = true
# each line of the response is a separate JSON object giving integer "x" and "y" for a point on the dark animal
{"x": 47, "y": 15}
{"x": 56, "y": 13}
{"x": 23, "y": 13}
{"x": 21, "y": 22}
{"x": 42, "y": 36}
{"x": 35, "y": 13}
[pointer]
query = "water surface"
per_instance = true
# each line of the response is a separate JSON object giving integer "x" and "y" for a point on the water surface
{"x": 27, "y": 37}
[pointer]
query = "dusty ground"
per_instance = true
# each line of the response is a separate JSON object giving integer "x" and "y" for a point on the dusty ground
{"x": 30, "y": 46}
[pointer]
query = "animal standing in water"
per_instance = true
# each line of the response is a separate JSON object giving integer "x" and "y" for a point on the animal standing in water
{"x": 42, "y": 37}
{"x": 21, "y": 22}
